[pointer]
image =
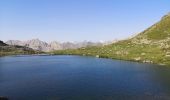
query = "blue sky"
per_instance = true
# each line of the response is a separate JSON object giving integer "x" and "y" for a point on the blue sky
{"x": 78, "y": 20}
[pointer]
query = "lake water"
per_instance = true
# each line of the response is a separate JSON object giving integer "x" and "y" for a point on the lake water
{"x": 81, "y": 78}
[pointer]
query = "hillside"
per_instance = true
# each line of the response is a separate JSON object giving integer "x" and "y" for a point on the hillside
{"x": 13, "y": 50}
{"x": 150, "y": 46}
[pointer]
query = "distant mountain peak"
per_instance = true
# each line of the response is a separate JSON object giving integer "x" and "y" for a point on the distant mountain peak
{"x": 36, "y": 40}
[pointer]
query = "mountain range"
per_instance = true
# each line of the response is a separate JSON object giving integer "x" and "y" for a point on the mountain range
{"x": 37, "y": 44}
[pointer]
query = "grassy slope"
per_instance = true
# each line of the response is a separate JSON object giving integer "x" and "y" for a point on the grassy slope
{"x": 152, "y": 45}
{"x": 141, "y": 53}
{"x": 160, "y": 30}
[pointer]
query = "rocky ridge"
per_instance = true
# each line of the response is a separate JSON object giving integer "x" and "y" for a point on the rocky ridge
{"x": 37, "y": 44}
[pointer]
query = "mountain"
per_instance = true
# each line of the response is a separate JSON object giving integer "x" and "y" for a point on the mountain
{"x": 55, "y": 46}
{"x": 15, "y": 42}
{"x": 37, "y": 44}
{"x": 6, "y": 49}
{"x": 149, "y": 46}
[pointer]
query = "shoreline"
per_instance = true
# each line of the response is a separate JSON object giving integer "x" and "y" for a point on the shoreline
{"x": 97, "y": 56}
{"x": 116, "y": 59}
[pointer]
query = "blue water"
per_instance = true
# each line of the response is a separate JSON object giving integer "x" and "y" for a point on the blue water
{"x": 81, "y": 78}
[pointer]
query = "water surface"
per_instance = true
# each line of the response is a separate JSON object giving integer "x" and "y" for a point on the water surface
{"x": 81, "y": 78}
